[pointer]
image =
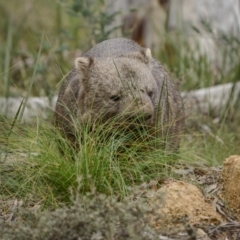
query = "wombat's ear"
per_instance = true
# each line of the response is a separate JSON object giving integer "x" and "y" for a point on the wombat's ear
{"x": 143, "y": 55}
{"x": 146, "y": 52}
{"x": 83, "y": 63}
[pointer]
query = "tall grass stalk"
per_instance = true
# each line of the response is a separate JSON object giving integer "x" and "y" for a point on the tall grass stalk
{"x": 7, "y": 59}
{"x": 32, "y": 80}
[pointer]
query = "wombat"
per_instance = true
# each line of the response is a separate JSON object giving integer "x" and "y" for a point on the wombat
{"x": 119, "y": 78}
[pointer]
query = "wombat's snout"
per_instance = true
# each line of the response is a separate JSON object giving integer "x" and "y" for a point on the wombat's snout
{"x": 144, "y": 114}
{"x": 140, "y": 117}
{"x": 139, "y": 107}
{"x": 147, "y": 116}
{"x": 148, "y": 119}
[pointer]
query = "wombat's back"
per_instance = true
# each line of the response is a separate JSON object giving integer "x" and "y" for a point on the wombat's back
{"x": 113, "y": 48}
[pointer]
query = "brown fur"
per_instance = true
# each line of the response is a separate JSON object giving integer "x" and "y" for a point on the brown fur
{"x": 119, "y": 78}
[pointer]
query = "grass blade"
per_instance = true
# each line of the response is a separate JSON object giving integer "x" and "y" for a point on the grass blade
{"x": 7, "y": 59}
{"x": 32, "y": 80}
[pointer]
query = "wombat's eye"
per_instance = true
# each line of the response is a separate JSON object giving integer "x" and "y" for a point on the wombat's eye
{"x": 150, "y": 93}
{"x": 115, "y": 98}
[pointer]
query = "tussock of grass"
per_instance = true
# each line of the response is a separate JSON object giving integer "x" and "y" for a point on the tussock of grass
{"x": 110, "y": 161}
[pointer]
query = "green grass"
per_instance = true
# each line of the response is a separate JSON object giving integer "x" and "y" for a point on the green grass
{"x": 110, "y": 164}
{"x": 211, "y": 143}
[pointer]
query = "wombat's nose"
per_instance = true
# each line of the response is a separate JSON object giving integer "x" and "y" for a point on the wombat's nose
{"x": 140, "y": 118}
{"x": 147, "y": 116}
{"x": 144, "y": 118}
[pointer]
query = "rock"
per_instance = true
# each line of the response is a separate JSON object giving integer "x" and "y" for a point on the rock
{"x": 203, "y": 26}
{"x": 179, "y": 203}
{"x": 231, "y": 186}
{"x": 201, "y": 235}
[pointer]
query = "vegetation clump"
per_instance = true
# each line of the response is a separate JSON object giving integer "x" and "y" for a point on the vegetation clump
{"x": 93, "y": 216}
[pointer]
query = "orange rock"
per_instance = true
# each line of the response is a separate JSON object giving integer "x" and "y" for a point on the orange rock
{"x": 231, "y": 180}
{"x": 178, "y": 200}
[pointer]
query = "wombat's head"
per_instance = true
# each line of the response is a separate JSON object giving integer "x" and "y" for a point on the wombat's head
{"x": 121, "y": 87}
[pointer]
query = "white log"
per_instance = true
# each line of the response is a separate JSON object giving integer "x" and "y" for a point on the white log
{"x": 214, "y": 98}
{"x": 36, "y": 107}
